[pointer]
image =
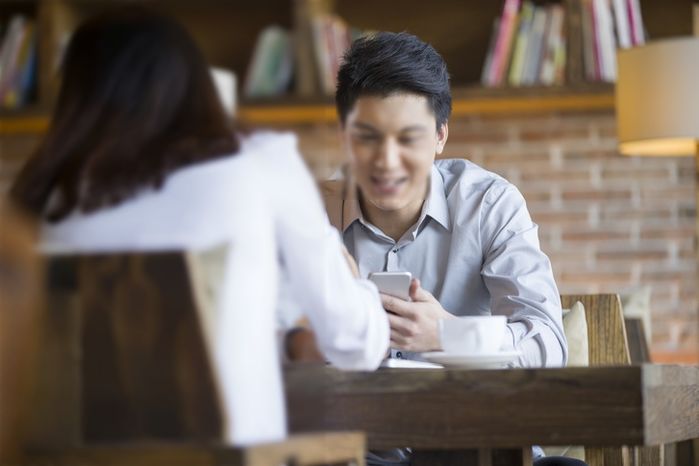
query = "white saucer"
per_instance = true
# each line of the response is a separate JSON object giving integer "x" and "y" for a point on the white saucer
{"x": 489, "y": 360}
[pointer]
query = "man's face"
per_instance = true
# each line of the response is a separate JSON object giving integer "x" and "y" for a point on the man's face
{"x": 392, "y": 142}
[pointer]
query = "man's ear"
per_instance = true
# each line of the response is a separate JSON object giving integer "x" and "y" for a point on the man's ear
{"x": 442, "y": 135}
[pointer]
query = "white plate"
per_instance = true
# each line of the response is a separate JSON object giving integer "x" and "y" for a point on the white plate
{"x": 408, "y": 364}
{"x": 491, "y": 360}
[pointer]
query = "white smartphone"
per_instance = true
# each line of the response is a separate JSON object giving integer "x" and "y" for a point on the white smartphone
{"x": 393, "y": 283}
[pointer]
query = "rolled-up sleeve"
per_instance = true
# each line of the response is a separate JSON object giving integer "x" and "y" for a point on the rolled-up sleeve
{"x": 520, "y": 280}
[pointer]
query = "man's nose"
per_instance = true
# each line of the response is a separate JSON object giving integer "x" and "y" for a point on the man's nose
{"x": 389, "y": 154}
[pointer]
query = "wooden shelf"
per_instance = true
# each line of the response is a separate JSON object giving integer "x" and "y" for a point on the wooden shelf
{"x": 467, "y": 102}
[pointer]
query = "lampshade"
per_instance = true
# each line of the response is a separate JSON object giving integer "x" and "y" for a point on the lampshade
{"x": 657, "y": 98}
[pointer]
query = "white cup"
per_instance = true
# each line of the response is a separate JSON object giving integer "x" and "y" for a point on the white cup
{"x": 472, "y": 335}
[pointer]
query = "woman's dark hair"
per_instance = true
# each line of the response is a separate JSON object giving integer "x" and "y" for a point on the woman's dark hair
{"x": 388, "y": 63}
{"x": 136, "y": 103}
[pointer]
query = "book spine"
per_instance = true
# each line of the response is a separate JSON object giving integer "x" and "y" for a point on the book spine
{"x": 552, "y": 41}
{"x": 560, "y": 52}
{"x": 575, "y": 68}
{"x": 504, "y": 42}
{"x": 621, "y": 19}
{"x": 535, "y": 47}
{"x": 15, "y": 37}
{"x": 520, "y": 50}
{"x": 638, "y": 36}
{"x": 604, "y": 31}
{"x": 488, "y": 63}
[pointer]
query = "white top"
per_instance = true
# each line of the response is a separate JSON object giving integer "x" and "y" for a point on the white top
{"x": 476, "y": 249}
{"x": 263, "y": 203}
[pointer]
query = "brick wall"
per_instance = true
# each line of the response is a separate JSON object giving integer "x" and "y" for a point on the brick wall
{"x": 609, "y": 223}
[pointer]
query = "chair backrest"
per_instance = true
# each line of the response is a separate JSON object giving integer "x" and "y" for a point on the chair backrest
{"x": 20, "y": 279}
{"x": 146, "y": 372}
{"x": 606, "y": 333}
{"x": 607, "y": 345}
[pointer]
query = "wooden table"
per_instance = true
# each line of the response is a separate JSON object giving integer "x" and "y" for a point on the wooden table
{"x": 455, "y": 409}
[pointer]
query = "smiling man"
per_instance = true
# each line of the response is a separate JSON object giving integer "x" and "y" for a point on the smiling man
{"x": 463, "y": 232}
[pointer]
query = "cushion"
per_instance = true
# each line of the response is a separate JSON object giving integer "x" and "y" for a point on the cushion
{"x": 575, "y": 328}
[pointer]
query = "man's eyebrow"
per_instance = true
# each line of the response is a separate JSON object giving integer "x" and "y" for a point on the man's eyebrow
{"x": 364, "y": 126}
{"x": 407, "y": 129}
{"x": 414, "y": 128}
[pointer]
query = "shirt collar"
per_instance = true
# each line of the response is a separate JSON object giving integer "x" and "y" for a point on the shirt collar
{"x": 435, "y": 204}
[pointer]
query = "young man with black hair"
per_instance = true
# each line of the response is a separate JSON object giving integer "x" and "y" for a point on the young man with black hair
{"x": 463, "y": 232}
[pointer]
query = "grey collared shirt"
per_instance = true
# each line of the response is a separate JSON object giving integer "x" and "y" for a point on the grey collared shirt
{"x": 476, "y": 249}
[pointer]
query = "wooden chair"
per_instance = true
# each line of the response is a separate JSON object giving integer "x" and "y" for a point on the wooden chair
{"x": 607, "y": 345}
{"x": 145, "y": 383}
{"x": 20, "y": 278}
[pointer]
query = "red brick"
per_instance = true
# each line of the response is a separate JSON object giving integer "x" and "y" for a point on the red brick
{"x": 596, "y": 276}
{"x": 628, "y": 214}
{"x": 585, "y": 235}
{"x": 559, "y": 217}
{"x": 550, "y": 133}
{"x": 597, "y": 195}
{"x": 669, "y": 192}
{"x": 613, "y": 175}
{"x": 532, "y": 196}
{"x": 668, "y": 233}
{"x": 632, "y": 255}
{"x": 539, "y": 174}
{"x": 510, "y": 156}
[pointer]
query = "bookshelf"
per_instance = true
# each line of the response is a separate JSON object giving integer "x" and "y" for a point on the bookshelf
{"x": 227, "y": 32}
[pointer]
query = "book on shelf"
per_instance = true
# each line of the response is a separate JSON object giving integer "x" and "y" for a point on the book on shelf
{"x": 622, "y": 24}
{"x": 532, "y": 61}
{"x": 605, "y": 40}
{"x": 307, "y": 80}
{"x": 226, "y": 88}
{"x": 553, "y": 61}
{"x": 589, "y": 40}
{"x": 321, "y": 40}
{"x": 638, "y": 36}
{"x": 270, "y": 71}
{"x": 17, "y": 62}
{"x": 557, "y": 43}
{"x": 526, "y": 17}
{"x": 332, "y": 38}
{"x": 575, "y": 70}
{"x": 487, "y": 65}
{"x": 503, "y": 44}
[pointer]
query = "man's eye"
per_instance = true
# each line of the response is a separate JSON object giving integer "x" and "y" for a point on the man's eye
{"x": 407, "y": 141}
{"x": 368, "y": 137}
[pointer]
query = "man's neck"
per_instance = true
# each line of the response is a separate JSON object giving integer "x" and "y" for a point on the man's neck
{"x": 393, "y": 223}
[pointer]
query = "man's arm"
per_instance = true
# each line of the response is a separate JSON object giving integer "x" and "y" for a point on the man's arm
{"x": 520, "y": 280}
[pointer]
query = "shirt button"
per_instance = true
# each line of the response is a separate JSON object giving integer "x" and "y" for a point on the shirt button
{"x": 399, "y": 355}
{"x": 395, "y": 251}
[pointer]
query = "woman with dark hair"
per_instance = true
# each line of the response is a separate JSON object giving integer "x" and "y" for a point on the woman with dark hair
{"x": 140, "y": 155}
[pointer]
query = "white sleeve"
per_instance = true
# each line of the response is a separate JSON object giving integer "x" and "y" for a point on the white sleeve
{"x": 346, "y": 313}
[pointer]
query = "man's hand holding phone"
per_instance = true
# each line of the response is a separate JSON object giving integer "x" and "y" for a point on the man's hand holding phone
{"x": 414, "y": 323}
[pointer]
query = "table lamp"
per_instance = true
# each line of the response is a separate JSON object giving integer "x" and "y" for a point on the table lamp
{"x": 657, "y": 98}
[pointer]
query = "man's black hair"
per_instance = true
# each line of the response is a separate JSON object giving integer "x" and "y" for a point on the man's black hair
{"x": 388, "y": 63}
